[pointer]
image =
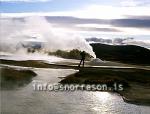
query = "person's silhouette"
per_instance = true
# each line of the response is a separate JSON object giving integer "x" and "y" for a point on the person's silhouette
{"x": 82, "y": 58}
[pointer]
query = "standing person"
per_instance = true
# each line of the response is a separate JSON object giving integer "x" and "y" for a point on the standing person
{"x": 82, "y": 58}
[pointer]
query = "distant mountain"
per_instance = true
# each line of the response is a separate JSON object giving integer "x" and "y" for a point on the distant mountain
{"x": 114, "y": 41}
{"x": 123, "y": 53}
{"x": 99, "y": 40}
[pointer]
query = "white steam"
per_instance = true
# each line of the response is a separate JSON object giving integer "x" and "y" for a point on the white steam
{"x": 17, "y": 30}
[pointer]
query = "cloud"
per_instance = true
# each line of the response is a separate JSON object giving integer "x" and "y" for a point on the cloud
{"x": 130, "y": 3}
{"x": 75, "y": 20}
{"x": 24, "y": 0}
{"x": 140, "y": 23}
{"x": 131, "y": 24}
{"x": 138, "y": 17}
{"x": 135, "y": 3}
{"x": 94, "y": 11}
{"x": 96, "y": 29}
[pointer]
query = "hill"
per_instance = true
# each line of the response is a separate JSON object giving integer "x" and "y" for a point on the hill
{"x": 123, "y": 53}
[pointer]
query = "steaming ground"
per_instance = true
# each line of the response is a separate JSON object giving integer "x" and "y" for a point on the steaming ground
{"x": 22, "y": 56}
{"x": 15, "y": 31}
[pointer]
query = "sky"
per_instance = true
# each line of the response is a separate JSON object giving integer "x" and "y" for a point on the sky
{"x": 89, "y": 18}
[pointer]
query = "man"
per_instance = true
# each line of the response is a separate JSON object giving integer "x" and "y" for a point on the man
{"x": 82, "y": 58}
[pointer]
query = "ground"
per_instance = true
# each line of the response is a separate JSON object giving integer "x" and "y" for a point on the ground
{"x": 135, "y": 79}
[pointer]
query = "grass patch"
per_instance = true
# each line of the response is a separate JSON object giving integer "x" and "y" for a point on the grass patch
{"x": 12, "y": 78}
{"x": 127, "y": 75}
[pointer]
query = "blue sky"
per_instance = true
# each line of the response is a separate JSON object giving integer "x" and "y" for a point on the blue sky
{"x": 107, "y": 17}
{"x": 14, "y": 6}
{"x": 46, "y": 6}
{"x": 54, "y": 5}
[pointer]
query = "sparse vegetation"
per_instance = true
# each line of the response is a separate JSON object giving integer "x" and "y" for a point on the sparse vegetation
{"x": 11, "y": 78}
{"x": 73, "y": 54}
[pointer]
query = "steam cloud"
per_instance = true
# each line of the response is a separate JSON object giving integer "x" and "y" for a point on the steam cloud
{"x": 17, "y": 30}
